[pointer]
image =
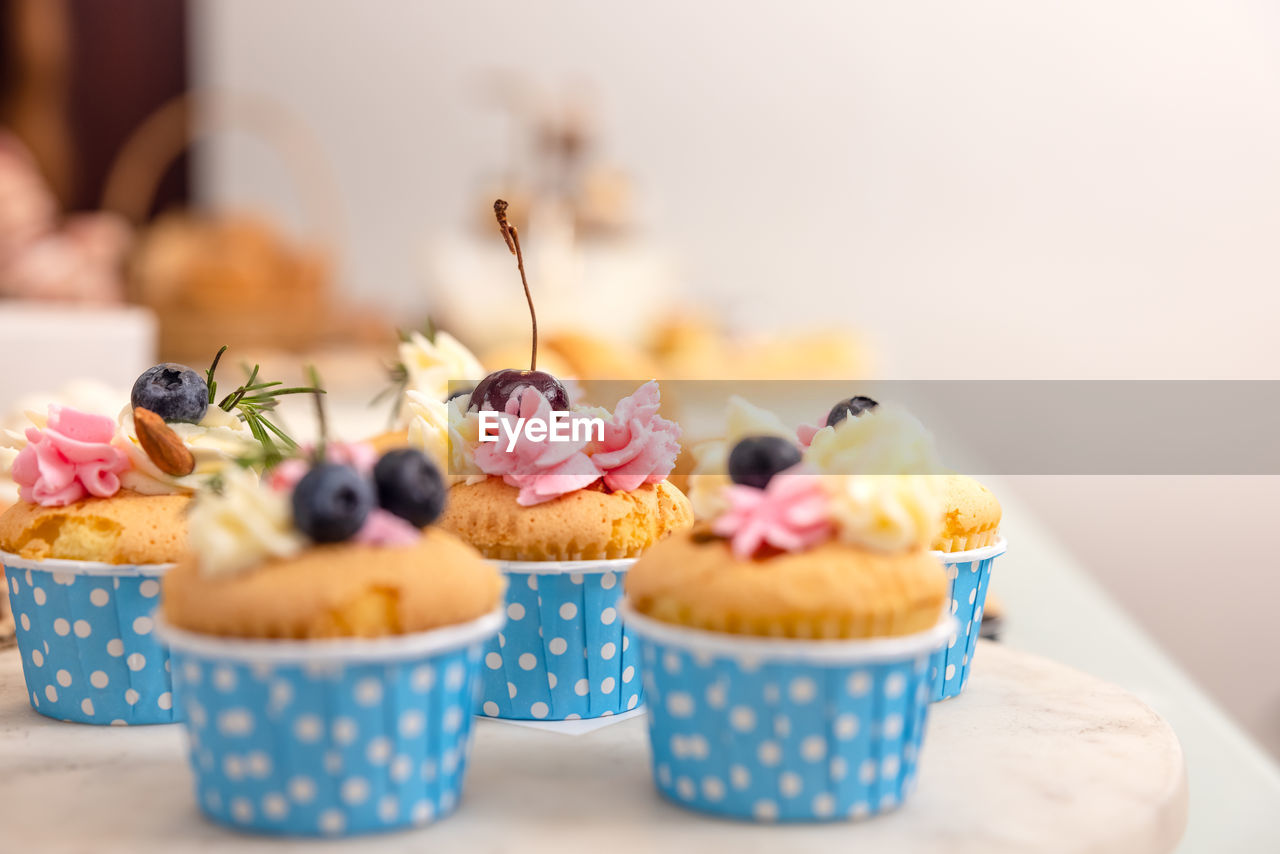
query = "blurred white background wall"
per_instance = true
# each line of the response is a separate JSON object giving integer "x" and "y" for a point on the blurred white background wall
{"x": 986, "y": 189}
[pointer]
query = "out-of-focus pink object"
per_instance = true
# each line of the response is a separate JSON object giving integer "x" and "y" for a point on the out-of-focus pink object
{"x": 384, "y": 528}
{"x": 77, "y": 259}
{"x": 68, "y": 459}
{"x": 361, "y": 456}
{"x": 790, "y": 514}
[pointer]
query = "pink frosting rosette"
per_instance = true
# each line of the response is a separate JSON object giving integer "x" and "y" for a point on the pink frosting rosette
{"x": 791, "y": 513}
{"x": 68, "y": 459}
{"x": 637, "y": 446}
{"x": 640, "y": 446}
{"x": 540, "y": 469}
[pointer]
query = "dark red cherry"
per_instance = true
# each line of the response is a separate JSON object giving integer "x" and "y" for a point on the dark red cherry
{"x": 854, "y": 406}
{"x": 495, "y": 390}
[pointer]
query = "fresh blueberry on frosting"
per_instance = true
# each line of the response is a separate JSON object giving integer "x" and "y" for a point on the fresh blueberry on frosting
{"x": 410, "y": 486}
{"x": 754, "y": 460}
{"x": 331, "y": 502}
{"x": 172, "y": 391}
{"x": 850, "y": 408}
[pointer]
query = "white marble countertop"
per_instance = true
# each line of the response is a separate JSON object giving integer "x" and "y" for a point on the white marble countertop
{"x": 1034, "y": 757}
{"x": 1055, "y": 609}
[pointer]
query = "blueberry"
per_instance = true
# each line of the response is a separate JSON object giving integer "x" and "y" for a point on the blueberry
{"x": 331, "y": 502}
{"x": 410, "y": 486}
{"x": 172, "y": 391}
{"x": 756, "y": 459}
{"x": 495, "y": 390}
{"x": 460, "y": 392}
{"x": 854, "y": 406}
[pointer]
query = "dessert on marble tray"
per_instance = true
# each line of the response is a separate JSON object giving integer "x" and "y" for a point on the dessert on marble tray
{"x": 326, "y": 636}
{"x": 564, "y": 516}
{"x": 101, "y": 518}
{"x": 786, "y": 640}
{"x": 859, "y": 435}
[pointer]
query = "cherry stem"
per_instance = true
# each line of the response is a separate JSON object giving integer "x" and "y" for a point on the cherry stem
{"x": 512, "y": 237}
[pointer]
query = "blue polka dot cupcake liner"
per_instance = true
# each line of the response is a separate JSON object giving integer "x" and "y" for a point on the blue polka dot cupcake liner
{"x": 779, "y": 730}
{"x": 968, "y": 574}
{"x": 329, "y": 738}
{"x": 86, "y": 634}
{"x": 564, "y": 653}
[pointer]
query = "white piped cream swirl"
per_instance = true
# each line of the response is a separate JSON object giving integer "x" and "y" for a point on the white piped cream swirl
{"x": 885, "y": 512}
{"x": 446, "y": 433}
{"x": 432, "y": 364}
{"x": 241, "y": 525}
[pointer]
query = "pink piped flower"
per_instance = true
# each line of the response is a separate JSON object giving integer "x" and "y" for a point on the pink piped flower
{"x": 790, "y": 514}
{"x": 640, "y": 446}
{"x": 70, "y": 458}
{"x": 540, "y": 469}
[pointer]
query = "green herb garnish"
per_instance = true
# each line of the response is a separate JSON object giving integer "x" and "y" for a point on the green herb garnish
{"x": 251, "y": 402}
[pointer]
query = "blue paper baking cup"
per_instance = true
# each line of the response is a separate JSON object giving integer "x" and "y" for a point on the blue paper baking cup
{"x": 968, "y": 574}
{"x": 564, "y": 653}
{"x": 774, "y": 729}
{"x": 85, "y": 632}
{"x": 333, "y": 738}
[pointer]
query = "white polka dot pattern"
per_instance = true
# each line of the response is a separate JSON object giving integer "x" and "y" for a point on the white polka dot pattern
{"x": 564, "y": 653}
{"x": 342, "y": 749}
{"x": 778, "y": 741}
{"x": 88, "y": 649}
{"x": 949, "y": 668}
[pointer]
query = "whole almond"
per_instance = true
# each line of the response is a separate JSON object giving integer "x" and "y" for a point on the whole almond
{"x": 162, "y": 445}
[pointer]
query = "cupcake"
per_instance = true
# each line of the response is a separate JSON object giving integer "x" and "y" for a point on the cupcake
{"x": 563, "y": 498}
{"x": 785, "y": 642}
{"x": 969, "y": 543}
{"x": 100, "y": 518}
{"x": 327, "y": 642}
{"x": 859, "y": 434}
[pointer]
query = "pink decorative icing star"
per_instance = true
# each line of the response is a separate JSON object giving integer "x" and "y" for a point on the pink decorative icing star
{"x": 70, "y": 458}
{"x": 640, "y": 446}
{"x": 383, "y": 528}
{"x": 789, "y": 514}
{"x": 540, "y": 469}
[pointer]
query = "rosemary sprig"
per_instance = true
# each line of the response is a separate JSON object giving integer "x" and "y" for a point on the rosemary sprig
{"x": 251, "y": 402}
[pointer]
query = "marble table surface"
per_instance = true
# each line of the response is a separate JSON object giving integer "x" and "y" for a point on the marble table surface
{"x": 1034, "y": 757}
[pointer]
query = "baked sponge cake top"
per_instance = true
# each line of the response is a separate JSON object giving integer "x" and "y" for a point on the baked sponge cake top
{"x": 341, "y": 545}
{"x": 971, "y": 515}
{"x": 586, "y": 524}
{"x": 127, "y": 528}
{"x": 338, "y": 590}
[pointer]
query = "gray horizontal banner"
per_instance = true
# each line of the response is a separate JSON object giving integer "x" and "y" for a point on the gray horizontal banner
{"x": 1070, "y": 427}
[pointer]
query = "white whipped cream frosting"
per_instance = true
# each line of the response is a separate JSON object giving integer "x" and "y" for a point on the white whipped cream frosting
{"x": 241, "y": 525}
{"x": 215, "y": 442}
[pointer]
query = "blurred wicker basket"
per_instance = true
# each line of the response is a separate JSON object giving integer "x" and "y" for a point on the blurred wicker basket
{"x": 219, "y": 278}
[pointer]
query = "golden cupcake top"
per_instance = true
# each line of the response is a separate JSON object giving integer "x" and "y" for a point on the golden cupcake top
{"x": 971, "y": 515}
{"x": 127, "y": 528}
{"x": 586, "y": 524}
{"x": 336, "y": 543}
